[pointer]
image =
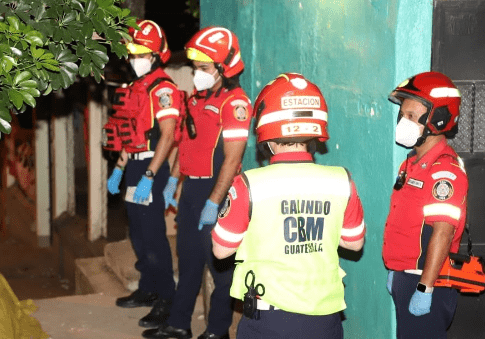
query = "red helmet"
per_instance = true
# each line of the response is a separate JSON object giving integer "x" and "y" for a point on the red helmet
{"x": 149, "y": 39}
{"x": 438, "y": 93}
{"x": 290, "y": 108}
{"x": 217, "y": 45}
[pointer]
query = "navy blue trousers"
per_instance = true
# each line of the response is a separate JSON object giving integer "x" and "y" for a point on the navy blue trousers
{"x": 278, "y": 324}
{"x": 429, "y": 326}
{"x": 148, "y": 232}
{"x": 194, "y": 249}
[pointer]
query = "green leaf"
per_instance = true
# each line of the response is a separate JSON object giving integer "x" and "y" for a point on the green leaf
{"x": 66, "y": 56}
{"x": 99, "y": 25}
{"x": 28, "y": 83}
{"x": 69, "y": 17}
{"x": 77, "y": 5}
{"x": 48, "y": 90}
{"x": 14, "y": 22}
{"x": 66, "y": 36}
{"x": 68, "y": 78}
{"x": 5, "y": 114}
{"x": 88, "y": 29}
{"x": 85, "y": 67}
{"x": 55, "y": 82}
{"x": 90, "y": 7}
{"x": 99, "y": 58}
{"x": 36, "y": 52}
{"x": 7, "y": 62}
{"x": 38, "y": 11}
{"x": 70, "y": 66}
{"x": 104, "y": 3}
{"x": 15, "y": 51}
{"x": 97, "y": 74}
{"x": 23, "y": 76}
{"x": 24, "y": 44}
{"x": 15, "y": 97}
{"x": 125, "y": 35}
{"x": 111, "y": 34}
{"x": 32, "y": 91}
{"x": 125, "y": 12}
{"x": 27, "y": 98}
{"x": 57, "y": 34}
{"x": 5, "y": 127}
{"x": 34, "y": 37}
{"x": 81, "y": 50}
{"x": 46, "y": 57}
{"x": 49, "y": 66}
{"x": 114, "y": 11}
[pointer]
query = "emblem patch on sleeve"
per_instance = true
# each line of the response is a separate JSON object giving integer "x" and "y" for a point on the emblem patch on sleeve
{"x": 240, "y": 113}
{"x": 165, "y": 100}
{"x": 442, "y": 190}
{"x": 226, "y": 208}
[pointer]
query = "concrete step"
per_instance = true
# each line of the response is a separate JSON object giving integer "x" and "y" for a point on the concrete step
{"x": 120, "y": 258}
{"x": 93, "y": 275}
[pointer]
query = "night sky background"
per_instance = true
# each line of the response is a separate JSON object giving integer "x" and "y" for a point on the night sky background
{"x": 173, "y": 16}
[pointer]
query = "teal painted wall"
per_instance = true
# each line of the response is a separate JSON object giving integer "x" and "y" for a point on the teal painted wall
{"x": 356, "y": 51}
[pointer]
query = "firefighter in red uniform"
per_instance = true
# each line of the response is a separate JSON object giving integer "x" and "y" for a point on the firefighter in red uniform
{"x": 428, "y": 206}
{"x": 307, "y": 210}
{"x": 209, "y": 156}
{"x": 142, "y": 129}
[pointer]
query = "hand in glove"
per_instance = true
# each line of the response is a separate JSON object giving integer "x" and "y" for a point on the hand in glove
{"x": 420, "y": 303}
{"x": 169, "y": 192}
{"x": 143, "y": 190}
{"x": 114, "y": 181}
{"x": 209, "y": 214}
{"x": 390, "y": 276}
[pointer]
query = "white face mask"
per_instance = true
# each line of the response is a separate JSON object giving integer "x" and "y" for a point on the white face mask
{"x": 141, "y": 66}
{"x": 203, "y": 80}
{"x": 407, "y": 132}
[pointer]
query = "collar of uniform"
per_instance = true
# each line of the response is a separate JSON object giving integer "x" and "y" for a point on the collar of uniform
{"x": 432, "y": 154}
{"x": 291, "y": 157}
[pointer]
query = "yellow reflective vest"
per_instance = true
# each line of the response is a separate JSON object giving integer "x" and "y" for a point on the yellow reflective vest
{"x": 297, "y": 212}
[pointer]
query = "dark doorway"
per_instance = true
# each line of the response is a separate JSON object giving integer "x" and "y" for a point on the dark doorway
{"x": 458, "y": 50}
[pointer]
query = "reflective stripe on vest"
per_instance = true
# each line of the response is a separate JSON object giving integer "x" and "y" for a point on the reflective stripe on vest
{"x": 292, "y": 239}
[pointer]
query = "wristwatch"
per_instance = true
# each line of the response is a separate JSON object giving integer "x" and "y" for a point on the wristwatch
{"x": 149, "y": 174}
{"x": 423, "y": 288}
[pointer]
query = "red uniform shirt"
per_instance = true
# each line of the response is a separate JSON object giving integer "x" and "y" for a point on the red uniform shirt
{"x": 225, "y": 112}
{"x": 435, "y": 189}
{"x": 229, "y": 231}
{"x": 164, "y": 97}
{"x": 165, "y": 101}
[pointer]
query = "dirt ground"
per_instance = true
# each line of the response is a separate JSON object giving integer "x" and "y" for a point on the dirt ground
{"x": 32, "y": 272}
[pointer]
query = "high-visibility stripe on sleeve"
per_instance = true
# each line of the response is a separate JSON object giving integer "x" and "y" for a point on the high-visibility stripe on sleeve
{"x": 235, "y": 133}
{"x": 228, "y": 236}
{"x": 442, "y": 209}
{"x": 353, "y": 232}
{"x": 166, "y": 112}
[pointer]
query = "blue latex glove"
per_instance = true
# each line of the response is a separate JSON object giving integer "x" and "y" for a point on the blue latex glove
{"x": 209, "y": 214}
{"x": 420, "y": 303}
{"x": 114, "y": 181}
{"x": 169, "y": 192}
{"x": 390, "y": 276}
{"x": 143, "y": 189}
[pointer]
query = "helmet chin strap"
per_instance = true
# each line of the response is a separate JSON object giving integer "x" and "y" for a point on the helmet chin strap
{"x": 270, "y": 149}
{"x": 422, "y": 138}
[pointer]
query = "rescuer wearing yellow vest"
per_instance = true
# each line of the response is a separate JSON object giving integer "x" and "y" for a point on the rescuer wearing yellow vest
{"x": 285, "y": 221}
